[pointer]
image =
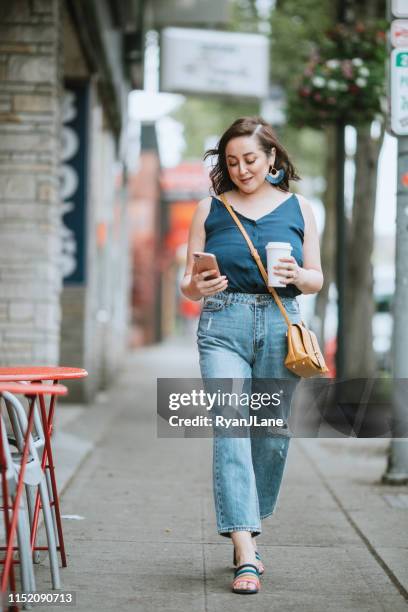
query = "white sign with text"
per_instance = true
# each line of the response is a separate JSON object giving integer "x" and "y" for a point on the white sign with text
{"x": 399, "y": 33}
{"x": 399, "y": 91}
{"x": 214, "y": 63}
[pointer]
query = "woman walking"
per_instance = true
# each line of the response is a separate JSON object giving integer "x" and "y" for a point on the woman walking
{"x": 241, "y": 333}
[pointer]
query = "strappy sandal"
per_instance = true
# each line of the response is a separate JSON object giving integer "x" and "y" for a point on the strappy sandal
{"x": 247, "y": 572}
{"x": 260, "y": 565}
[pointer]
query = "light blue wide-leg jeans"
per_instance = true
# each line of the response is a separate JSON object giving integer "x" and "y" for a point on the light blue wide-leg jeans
{"x": 243, "y": 337}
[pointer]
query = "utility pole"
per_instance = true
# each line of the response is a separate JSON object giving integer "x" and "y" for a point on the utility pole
{"x": 397, "y": 468}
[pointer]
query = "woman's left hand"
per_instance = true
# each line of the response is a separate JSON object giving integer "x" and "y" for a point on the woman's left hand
{"x": 289, "y": 270}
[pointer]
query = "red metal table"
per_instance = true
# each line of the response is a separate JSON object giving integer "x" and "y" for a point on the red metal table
{"x": 40, "y": 374}
{"x": 32, "y": 391}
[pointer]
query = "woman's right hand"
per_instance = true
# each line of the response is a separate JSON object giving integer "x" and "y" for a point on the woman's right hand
{"x": 207, "y": 287}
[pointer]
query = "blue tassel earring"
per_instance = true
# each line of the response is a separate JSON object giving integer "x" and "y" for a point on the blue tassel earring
{"x": 274, "y": 177}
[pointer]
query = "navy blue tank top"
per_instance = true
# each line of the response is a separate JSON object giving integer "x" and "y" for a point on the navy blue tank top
{"x": 224, "y": 239}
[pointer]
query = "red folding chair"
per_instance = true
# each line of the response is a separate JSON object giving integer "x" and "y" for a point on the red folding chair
{"x": 12, "y": 506}
{"x": 40, "y": 374}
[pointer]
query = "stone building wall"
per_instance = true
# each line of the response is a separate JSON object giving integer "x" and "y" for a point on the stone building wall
{"x": 64, "y": 253}
{"x": 30, "y": 86}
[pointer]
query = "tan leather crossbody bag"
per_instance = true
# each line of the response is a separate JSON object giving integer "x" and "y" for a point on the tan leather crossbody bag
{"x": 304, "y": 356}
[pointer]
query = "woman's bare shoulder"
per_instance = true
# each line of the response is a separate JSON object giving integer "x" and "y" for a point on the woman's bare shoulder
{"x": 304, "y": 203}
{"x": 309, "y": 217}
{"x": 305, "y": 207}
{"x": 204, "y": 204}
{"x": 203, "y": 209}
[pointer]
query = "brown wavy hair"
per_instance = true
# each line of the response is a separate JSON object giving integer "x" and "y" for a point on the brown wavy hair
{"x": 247, "y": 126}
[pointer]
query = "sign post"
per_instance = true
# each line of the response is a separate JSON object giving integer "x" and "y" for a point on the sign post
{"x": 397, "y": 468}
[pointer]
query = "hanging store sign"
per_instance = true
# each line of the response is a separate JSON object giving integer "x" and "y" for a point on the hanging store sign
{"x": 214, "y": 63}
{"x": 73, "y": 182}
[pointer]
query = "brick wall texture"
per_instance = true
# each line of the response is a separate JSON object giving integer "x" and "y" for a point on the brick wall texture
{"x": 30, "y": 86}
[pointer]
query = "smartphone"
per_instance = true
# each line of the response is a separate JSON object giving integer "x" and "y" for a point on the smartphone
{"x": 206, "y": 261}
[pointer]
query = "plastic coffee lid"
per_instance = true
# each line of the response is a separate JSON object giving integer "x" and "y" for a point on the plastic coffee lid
{"x": 278, "y": 245}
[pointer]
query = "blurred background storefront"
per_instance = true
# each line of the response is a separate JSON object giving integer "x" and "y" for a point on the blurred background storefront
{"x": 182, "y": 188}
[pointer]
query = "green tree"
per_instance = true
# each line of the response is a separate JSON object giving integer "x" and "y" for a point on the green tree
{"x": 297, "y": 19}
{"x": 360, "y": 305}
{"x": 203, "y": 117}
{"x": 297, "y": 29}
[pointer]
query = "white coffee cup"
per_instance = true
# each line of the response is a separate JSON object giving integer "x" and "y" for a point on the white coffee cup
{"x": 274, "y": 251}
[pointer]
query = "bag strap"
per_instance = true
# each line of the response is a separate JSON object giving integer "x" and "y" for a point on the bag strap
{"x": 257, "y": 258}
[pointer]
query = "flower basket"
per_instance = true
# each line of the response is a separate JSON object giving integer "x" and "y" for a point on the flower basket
{"x": 344, "y": 80}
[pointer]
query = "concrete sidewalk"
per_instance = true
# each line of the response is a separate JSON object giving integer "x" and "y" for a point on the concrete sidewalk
{"x": 144, "y": 536}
